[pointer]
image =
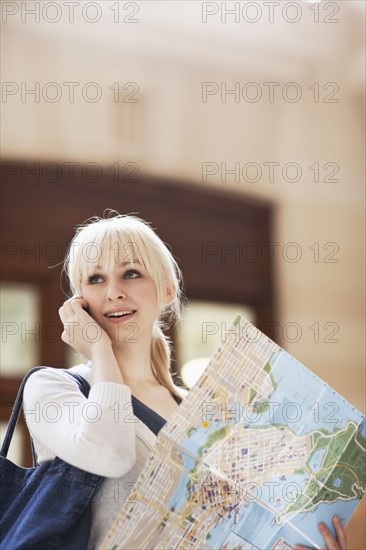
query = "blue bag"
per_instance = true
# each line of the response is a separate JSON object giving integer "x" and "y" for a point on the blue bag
{"x": 48, "y": 506}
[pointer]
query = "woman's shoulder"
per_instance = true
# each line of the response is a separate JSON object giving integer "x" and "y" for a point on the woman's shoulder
{"x": 45, "y": 378}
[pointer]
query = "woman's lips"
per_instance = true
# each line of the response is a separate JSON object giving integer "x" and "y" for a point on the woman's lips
{"x": 122, "y": 319}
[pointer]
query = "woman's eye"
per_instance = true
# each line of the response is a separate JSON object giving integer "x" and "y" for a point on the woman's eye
{"x": 93, "y": 279}
{"x": 132, "y": 274}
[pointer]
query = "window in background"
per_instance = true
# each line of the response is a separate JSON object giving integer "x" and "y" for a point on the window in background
{"x": 203, "y": 328}
{"x": 15, "y": 453}
{"x": 21, "y": 330}
{"x": 21, "y": 335}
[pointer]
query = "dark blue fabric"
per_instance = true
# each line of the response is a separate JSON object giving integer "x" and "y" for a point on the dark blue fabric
{"x": 46, "y": 507}
{"x": 148, "y": 416}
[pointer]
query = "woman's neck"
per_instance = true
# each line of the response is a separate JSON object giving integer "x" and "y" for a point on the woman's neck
{"x": 134, "y": 361}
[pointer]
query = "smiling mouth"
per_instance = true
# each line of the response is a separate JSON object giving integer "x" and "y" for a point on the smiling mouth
{"x": 119, "y": 314}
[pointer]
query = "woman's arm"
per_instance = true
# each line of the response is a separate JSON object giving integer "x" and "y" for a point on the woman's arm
{"x": 96, "y": 434}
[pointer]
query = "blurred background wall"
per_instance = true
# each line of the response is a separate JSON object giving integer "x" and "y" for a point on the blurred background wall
{"x": 261, "y": 99}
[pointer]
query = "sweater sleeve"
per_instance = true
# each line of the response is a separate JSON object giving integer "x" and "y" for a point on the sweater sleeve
{"x": 95, "y": 434}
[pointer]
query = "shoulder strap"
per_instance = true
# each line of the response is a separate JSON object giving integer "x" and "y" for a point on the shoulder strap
{"x": 83, "y": 386}
{"x": 15, "y": 414}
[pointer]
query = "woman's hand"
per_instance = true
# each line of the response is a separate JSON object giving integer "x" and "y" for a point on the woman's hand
{"x": 340, "y": 543}
{"x": 81, "y": 331}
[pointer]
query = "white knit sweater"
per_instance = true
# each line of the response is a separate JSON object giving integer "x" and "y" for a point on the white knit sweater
{"x": 99, "y": 434}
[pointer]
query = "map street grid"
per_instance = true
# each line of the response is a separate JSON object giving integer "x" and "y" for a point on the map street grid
{"x": 257, "y": 454}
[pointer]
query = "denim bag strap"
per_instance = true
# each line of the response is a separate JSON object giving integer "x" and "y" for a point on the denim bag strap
{"x": 15, "y": 414}
{"x": 47, "y": 506}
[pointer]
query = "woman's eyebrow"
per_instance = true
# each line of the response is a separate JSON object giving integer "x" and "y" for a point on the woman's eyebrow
{"x": 122, "y": 264}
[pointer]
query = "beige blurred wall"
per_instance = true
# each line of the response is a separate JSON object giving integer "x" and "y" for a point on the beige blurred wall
{"x": 170, "y": 132}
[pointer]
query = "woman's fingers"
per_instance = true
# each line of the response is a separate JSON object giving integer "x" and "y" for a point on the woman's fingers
{"x": 341, "y": 533}
{"x": 71, "y": 306}
{"x": 75, "y": 303}
{"x": 68, "y": 312}
{"x": 78, "y": 300}
{"x": 328, "y": 537}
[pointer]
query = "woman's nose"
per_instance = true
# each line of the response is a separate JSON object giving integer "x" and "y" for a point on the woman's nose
{"x": 115, "y": 291}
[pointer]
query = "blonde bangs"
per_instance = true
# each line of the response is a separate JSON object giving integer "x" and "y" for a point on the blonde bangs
{"x": 96, "y": 249}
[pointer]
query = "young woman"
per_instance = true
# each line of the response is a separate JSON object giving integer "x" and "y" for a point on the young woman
{"x": 125, "y": 285}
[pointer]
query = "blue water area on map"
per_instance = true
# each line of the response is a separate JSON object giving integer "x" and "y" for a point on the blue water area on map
{"x": 234, "y": 542}
{"x": 192, "y": 444}
{"x": 316, "y": 459}
{"x": 337, "y": 483}
{"x": 258, "y": 526}
{"x": 303, "y": 401}
{"x": 307, "y": 522}
{"x": 179, "y": 498}
{"x": 281, "y": 492}
{"x": 254, "y": 523}
{"x": 222, "y": 527}
{"x": 291, "y": 535}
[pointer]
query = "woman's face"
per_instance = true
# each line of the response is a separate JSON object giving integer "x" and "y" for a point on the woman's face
{"x": 123, "y": 301}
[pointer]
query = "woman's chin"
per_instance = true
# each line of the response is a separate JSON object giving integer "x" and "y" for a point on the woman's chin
{"x": 123, "y": 334}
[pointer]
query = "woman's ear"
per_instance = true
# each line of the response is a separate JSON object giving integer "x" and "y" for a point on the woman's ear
{"x": 170, "y": 294}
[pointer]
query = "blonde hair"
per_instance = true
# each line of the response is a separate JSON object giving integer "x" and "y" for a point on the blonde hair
{"x": 119, "y": 237}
